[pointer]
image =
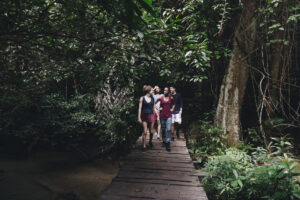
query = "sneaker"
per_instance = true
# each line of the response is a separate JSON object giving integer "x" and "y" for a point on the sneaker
{"x": 173, "y": 138}
{"x": 143, "y": 149}
{"x": 158, "y": 137}
{"x": 163, "y": 144}
{"x": 156, "y": 134}
{"x": 168, "y": 146}
{"x": 150, "y": 144}
{"x": 177, "y": 135}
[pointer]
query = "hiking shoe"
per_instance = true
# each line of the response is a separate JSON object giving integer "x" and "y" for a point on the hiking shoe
{"x": 158, "y": 136}
{"x": 150, "y": 144}
{"x": 143, "y": 149}
{"x": 168, "y": 146}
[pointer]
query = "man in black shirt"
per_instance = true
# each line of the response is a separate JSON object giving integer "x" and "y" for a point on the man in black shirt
{"x": 176, "y": 115}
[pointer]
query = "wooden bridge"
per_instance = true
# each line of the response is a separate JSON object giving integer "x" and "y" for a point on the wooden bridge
{"x": 157, "y": 174}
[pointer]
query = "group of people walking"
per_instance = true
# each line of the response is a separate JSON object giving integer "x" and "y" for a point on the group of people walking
{"x": 160, "y": 113}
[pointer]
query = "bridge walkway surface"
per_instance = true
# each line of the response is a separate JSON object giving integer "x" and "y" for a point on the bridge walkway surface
{"x": 157, "y": 174}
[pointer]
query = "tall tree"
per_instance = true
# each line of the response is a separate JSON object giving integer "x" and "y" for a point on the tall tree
{"x": 235, "y": 80}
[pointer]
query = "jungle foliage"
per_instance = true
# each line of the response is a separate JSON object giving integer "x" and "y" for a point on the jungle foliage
{"x": 72, "y": 73}
{"x": 62, "y": 59}
{"x": 63, "y": 63}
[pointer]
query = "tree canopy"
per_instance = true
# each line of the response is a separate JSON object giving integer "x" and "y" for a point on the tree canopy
{"x": 64, "y": 63}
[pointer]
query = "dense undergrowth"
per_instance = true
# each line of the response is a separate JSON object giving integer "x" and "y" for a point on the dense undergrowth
{"x": 248, "y": 171}
{"x": 52, "y": 122}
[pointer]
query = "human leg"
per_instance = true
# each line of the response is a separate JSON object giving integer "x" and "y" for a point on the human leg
{"x": 168, "y": 138}
{"x": 155, "y": 125}
{"x": 177, "y": 129}
{"x": 173, "y": 127}
{"x": 151, "y": 130}
{"x": 158, "y": 129}
{"x": 168, "y": 129}
{"x": 177, "y": 123}
{"x": 144, "y": 133}
{"x": 163, "y": 129}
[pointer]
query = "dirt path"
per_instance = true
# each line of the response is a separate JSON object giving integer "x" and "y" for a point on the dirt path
{"x": 55, "y": 176}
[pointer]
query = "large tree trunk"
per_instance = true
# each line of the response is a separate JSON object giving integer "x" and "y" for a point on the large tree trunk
{"x": 235, "y": 80}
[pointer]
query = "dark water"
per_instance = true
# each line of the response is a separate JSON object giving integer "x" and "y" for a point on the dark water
{"x": 54, "y": 176}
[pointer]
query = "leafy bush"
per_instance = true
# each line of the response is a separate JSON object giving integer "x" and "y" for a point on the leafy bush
{"x": 121, "y": 127}
{"x": 274, "y": 181}
{"x": 260, "y": 155}
{"x": 254, "y": 137}
{"x": 226, "y": 174}
{"x": 275, "y": 127}
{"x": 68, "y": 122}
{"x": 236, "y": 175}
{"x": 51, "y": 121}
{"x": 281, "y": 146}
{"x": 54, "y": 122}
{"x": 208, "y": 139}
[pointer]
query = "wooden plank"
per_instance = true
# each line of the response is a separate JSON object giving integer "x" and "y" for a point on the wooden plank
{"x": 193, "y": 172}
{"x": 165, "y": 157}
{"x": 157, "y": 168}
{"x": 159, "y": 146}
{"x": 132, "y": 169}
{"x": 159, "y": 159}
{"x": 159, "y": 154}
{"x": 151, "y": 171}
{"x": 164, "y": 165}
{"x": 123, "y": 197}
{"x": 194, "y": 183}
{"x": 155, "y": 191}
{"x": 162, "y": 151}
{"x": 176, "y": 176}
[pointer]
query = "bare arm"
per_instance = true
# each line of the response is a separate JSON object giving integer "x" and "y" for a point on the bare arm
{"x": 155, "y": 111}
{"x": 173, "y": 104}
{"x": 181, "y": 104}
{"x": 157, "y": 100}
{"x": 140, "y": 110}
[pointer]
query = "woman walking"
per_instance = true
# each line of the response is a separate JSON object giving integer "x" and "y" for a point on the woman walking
{"x": 146, "y": 114}
{"x": 166, "y": 117}
{"x": 156, "y": 96}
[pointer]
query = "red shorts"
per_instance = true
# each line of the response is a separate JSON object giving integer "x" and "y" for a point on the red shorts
{"x": 147, "y": 117}
{"x": 155, "y": 116}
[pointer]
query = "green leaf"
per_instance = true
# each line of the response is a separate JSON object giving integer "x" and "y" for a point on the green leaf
{"x": 234, "y": 183}
{"x": 191, "y": 151}
{"x": 240, "y": 183}
{"x": 188, "y": 53}
{"x": 147, "y": 5}
{"x": 235, "y": 173}
{"x": 149, "y": 2}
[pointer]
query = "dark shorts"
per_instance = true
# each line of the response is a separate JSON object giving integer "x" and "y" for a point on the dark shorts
{"x": 147, "y": 117}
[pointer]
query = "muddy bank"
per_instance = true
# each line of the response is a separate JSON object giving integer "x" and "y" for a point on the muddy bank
{"x": 55, "y": 176}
